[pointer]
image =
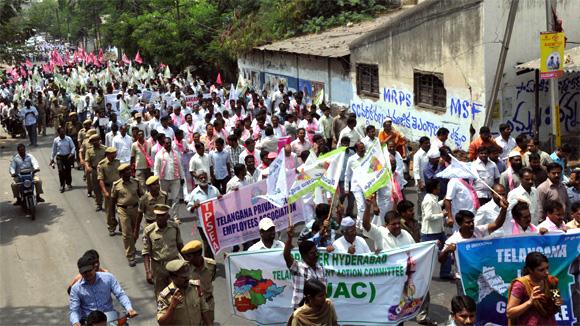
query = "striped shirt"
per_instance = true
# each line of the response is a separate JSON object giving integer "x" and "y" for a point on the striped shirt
{"x": 301, "y": 272}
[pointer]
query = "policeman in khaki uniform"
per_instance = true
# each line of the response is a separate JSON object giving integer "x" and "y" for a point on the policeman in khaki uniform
{"x": 109, "y": 173}
{"x": 94, "y": 154}
{"x": 72, "y": 128}
{"x": 161, "y": 244}
{"x": 181, "y": 302}
{"x": 83, "y": 132}
{"x": 84, "y": 145}
{"x": 125, "y": 197}
{"x": 152, "y": 197}
{"x": 202, "y": 269}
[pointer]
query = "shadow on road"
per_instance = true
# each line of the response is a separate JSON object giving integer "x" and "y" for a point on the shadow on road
{"x": 36, "y": 315}
{"x": 14, "y": 223}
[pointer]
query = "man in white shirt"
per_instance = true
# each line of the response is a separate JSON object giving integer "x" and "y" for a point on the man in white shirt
{"x": 268, "y": 143}
{"x": 30, "y": 115}
{"x": 277, "y": 97}
{"x": 554, "y": 222}
{"x": 371, "y": 136}
{"x": 238, "y": 180}
{"x": 300, "y": 144}
{"x": 487, "y": 213}
{"x": 526, "y": 192}
{"x": 420, "y": 160}
{"x": 200, "y": 161}
{"x": 165, "y": 129}
{"x": 387, "y": 237}
{"x": 352, "y": 164}
{"x": 189, "y": 128}
{"x": 122, "y": 142}
{"x": 350, "y": 242}
{"x": 250, "y": 150}
{"x": 488, "y": 173}
{"x": 520, "y": 222}
{"x": 138, "y": 122}
{"x": 203, "y": 192}
{"x": 350, "y": 131}
{"x": 467, "y": 230}
{"x": 267, "y": 236}
{"x": 253, "y": 174}
{"x": 169, "y": 169}
{"x": 505, "y": 141}
{"x": 460, "y": 196}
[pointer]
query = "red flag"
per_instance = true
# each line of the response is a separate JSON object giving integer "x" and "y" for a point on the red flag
{"x": 125, "y": 59}
{"x": 101, "y": 56}
{"x": 28, "y": 64}
{"x": 219, "y": 79}
{"x": 138, "y": 58}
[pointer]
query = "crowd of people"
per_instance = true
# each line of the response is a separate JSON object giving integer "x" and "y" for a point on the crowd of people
{"x": 148, "y": 142}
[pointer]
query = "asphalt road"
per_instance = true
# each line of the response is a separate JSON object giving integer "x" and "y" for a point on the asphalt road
{"x": 38, "y": 258}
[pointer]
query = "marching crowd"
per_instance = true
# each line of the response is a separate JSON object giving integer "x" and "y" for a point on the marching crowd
{"x": 148, "y": 142}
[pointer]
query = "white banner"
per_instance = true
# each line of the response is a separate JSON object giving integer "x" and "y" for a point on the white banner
{"x": 370, "y": 289}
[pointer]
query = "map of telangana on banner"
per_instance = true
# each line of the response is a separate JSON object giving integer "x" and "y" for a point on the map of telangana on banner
{"x": 488, "y": 267}
{"x": 383, "y": 289}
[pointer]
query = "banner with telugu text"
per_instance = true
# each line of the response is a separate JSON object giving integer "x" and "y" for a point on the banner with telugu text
{"x": 233, "y": 219}
{"x": 488, "y": 266}
{"x": 370, "y": 289}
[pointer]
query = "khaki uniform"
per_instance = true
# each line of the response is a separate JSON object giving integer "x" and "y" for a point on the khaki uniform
{"x": 162, "y": 246}
{"x": 93, "y": 156}
{"x": 72, "y": 130}
{"x": 107, "y": 171}
{"x": 206, "y": 275}
{"x": 190, "y": 311}
{"x": 147, "y": 202}
{"x": 125, "y": 194}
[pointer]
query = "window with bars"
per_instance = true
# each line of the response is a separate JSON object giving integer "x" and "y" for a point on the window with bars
{"x": 367, "y": 80}
{"x": 429, "y": 90}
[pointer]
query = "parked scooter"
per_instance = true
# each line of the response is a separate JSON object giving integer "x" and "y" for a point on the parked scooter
{"x": 16, "y": 127}
{"x": 26, "y": 192}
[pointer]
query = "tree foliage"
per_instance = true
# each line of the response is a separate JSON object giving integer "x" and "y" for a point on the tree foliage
{"x": 206, "y": 34}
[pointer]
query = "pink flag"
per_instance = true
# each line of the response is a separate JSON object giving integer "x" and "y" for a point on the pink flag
{"x": 28, "y": 63}
{"x": 101, "y": 56}
{"x": 125, "y": 59}
{"x": 219, "y": 79}
{"x": 46, "y": 68}
{"x": 14, "y": 73}
{"x": 22, "y": 71}
{"x": 138, "y": 58}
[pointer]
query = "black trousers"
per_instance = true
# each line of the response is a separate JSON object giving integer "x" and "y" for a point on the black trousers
{"x": 64, "y": 165}
{"x": 221, "y": 184}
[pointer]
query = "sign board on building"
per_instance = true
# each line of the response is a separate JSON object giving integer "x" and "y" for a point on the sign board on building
{"x": 551, "y": 55}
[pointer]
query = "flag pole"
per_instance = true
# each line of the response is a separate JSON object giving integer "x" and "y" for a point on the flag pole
{"x": 289, "y": 213}
{"x": 331, "y": 204}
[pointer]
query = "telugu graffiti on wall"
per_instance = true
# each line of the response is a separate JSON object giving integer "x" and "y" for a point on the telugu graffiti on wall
{"x": 522, "y": 117}
{"x": 398, "y": 105}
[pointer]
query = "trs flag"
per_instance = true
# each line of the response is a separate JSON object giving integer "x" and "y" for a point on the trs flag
{"x": 125, "y": 59}
{"x": 277, "y": 190}
{"x": 374, "y": 171}
{"x": 458, "y": 169}
{"x": 101, "y": 56}
{"x": 28, "y": 64}
{"x": 138, "y": 58}
{"x": 219, "y": 79}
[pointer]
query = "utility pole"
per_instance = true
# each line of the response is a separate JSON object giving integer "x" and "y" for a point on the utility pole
{"x": 554, "y": 89}
{"x": 501, "y": 61}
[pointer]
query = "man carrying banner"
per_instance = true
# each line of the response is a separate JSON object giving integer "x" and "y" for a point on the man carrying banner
{"x": 267, "y": 236}
{"x": 307, "y": 269}
{"x": 350, "y": 242}
{"x": 467, "y": 230}
{"x": 203, "y": 192}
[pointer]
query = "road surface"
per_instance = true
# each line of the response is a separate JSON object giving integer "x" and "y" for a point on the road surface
{"x": 38, "y": 258}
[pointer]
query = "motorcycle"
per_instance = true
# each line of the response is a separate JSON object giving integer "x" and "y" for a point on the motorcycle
{"x": 16, "y": 127}
{"x": 26, "y": 191}
{"x": 114, "y": 319}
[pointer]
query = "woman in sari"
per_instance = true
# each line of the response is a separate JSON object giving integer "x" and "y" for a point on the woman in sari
{"x": 315, "y": 309}
{"x": 534, "y": 299}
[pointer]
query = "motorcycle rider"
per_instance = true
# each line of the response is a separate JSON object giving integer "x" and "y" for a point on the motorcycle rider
{"x": 94, "y": 292}
{"x": 23, "y": 161}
